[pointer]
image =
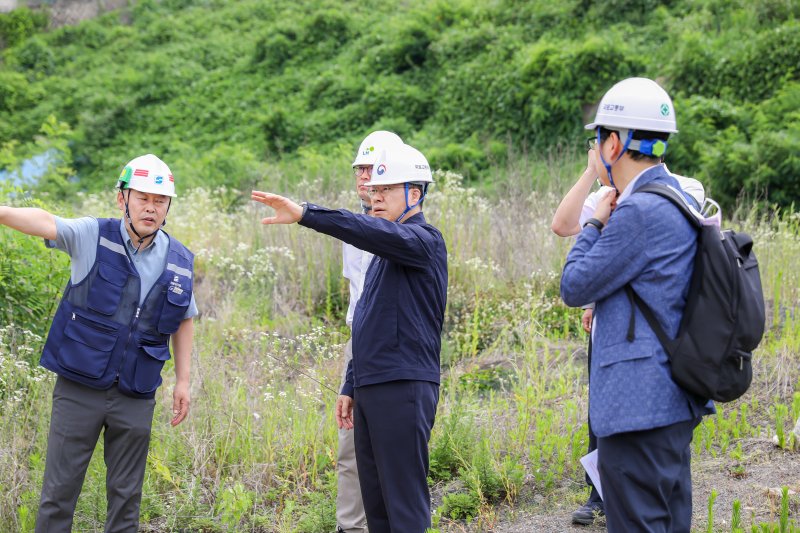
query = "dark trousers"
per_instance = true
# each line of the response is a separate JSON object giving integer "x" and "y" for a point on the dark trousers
{"x": 647, "y": 479}
{"x": 79, "y": 415}
{"x": 392, "y": 424}
{"x": 594, "y": 496}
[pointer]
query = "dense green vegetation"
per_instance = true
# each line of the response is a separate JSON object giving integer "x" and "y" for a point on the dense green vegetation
{"x": 225, "y": 91}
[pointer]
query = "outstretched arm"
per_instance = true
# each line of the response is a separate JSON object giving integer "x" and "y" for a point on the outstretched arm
{"x": 29, "y": 220}
{"x": 565, "y": 220}
{"x": 286, "y": 211}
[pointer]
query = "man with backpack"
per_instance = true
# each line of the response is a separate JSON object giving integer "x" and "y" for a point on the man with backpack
{"x": 643, "y": 419}
{"x": 577, "y": 206}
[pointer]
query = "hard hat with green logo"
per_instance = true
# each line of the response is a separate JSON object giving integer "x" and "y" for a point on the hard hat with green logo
{"x": 372, "y": 146}
{"x": 636, "y": 104}
{"x": 147, "y": 173}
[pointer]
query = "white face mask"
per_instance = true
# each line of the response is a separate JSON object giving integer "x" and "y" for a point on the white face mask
{"x": 711, "y": 213}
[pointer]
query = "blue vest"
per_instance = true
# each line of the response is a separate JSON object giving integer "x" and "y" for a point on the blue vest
{"x": 100, "y": 334}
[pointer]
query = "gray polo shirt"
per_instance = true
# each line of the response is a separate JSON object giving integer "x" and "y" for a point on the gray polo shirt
{"x": 78, "y": 237}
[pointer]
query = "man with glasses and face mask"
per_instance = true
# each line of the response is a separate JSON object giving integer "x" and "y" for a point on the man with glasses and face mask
{"x": 350, "y": 517}
{"x": 392, "y": 386}
{"x": 129, "y": 294}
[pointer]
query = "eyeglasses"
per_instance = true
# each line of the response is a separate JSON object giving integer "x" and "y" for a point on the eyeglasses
{"x": 358, "y": 171}
{"x": 591, "y": 142}
{"x": 384, "y": 190}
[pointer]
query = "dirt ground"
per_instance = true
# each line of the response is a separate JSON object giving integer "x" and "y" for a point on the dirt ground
{"x": 757, "y": 486}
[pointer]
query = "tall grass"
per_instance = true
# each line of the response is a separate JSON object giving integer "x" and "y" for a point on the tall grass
{"x": 258, "y": 450}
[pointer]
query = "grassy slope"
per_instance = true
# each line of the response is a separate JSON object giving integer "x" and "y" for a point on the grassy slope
{"x": 258, "y": 451}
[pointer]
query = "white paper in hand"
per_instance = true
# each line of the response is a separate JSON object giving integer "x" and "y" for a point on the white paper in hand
{"x": 589, "y": 462}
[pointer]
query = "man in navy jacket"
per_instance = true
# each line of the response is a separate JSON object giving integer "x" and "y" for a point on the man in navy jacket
{"x": 643, "y": 419}
{"x": 392, "y": 386}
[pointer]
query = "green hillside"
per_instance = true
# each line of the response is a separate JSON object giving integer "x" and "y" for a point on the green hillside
{"x": 225, "y": 90}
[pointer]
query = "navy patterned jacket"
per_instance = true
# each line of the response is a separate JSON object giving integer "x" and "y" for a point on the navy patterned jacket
{"x": 649, "y": 244}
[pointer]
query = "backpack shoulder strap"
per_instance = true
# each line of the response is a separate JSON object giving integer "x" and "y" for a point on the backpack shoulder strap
{"x": 678, "y": 201}
{"x": 666, "y": 342}
{"x": 673, "y": 196}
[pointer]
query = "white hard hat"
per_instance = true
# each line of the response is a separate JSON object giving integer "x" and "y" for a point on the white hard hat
{"x": 636, "y": 104}
{"x": 372, "y": 145}
{"x": 147, "y": 173}
{"x": 400, "y": 163}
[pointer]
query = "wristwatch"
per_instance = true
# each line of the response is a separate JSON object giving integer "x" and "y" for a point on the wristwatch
{"x": 594, "y": 222}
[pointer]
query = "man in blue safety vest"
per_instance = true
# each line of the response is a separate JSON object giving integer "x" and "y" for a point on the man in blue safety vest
{"x": 129, "y": 293}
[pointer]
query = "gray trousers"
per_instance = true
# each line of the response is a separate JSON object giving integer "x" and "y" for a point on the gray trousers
{"x": 349, "y": 506}
{"x": 79, "y": 415}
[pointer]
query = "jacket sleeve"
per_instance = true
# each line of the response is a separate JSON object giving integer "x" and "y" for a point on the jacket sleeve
{"x": 347, "y": 387}
{"x": 408, "y": 244}
{"x": 601, "y": 263}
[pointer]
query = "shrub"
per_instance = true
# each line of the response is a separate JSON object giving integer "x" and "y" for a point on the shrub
{"x": 465, "y": 505}
{"x": 16, "y": 93}
{"x": 277, "y": 47}
{"x": 559, "y": 77}
{"x": 34, "y": 55}
{"x": 19, "y": 24}
{"x": 31, "y": 277}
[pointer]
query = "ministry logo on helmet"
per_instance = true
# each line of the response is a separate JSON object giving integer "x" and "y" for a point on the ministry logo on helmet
{"x": 400, "y": 164}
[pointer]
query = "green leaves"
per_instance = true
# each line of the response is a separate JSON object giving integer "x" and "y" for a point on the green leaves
{"x": 31, "y": 279}
{"x": 182, "y": 77}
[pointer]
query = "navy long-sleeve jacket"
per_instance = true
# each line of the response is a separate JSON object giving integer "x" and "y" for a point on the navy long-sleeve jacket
{"x": 397, "y": 326}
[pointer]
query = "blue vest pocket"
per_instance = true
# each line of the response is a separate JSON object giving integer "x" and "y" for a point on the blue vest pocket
{"x": 175, "y": 306}
{"x": 105, "y": 293}
{"x": 149, "y": 362}
{"x": 87, "y": 346}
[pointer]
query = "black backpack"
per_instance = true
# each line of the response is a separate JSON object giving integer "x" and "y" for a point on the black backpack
{"x": 723, "y": 321}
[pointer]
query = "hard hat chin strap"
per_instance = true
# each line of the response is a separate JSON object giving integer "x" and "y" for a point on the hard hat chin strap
{"x": 133, "y": 228}
{"x": 606, "y": 164}
{"x": 410, "y": 207}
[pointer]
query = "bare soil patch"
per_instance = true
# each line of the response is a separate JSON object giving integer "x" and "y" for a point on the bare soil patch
{"x": 756, "y": 482}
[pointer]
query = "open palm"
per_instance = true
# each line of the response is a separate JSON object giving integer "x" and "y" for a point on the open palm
{"x": 286, "y": 211}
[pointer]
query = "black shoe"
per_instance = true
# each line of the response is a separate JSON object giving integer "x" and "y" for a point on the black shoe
{"x": 586, "y": 514}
